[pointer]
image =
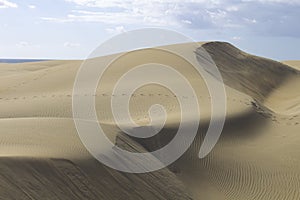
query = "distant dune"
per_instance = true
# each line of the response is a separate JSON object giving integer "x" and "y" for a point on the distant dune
{"x": 257, "y": 156}
{"x": 20, "y": 60}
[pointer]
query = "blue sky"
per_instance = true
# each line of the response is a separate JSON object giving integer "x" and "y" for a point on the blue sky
{"x": 71, "y": 29}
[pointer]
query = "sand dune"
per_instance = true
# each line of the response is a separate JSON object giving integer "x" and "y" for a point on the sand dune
{"x": 257, "y": 156}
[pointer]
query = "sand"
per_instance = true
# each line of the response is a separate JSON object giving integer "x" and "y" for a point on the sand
{"x": 293, "y": 63}
{"x": 257, "y": 156}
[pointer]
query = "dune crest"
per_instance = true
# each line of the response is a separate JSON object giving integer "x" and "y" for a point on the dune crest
{"x": 268, "y": 82}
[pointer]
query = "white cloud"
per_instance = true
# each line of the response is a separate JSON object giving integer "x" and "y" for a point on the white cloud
{"x": 7, "y": 4}
{"x": 24, "y": 44}
{"x": 116, "y": 30}
{"x": 250, "y": 21}
{"x": 138, "y": 3}
{"x": 71, "y": 45}
{"x": 166, "y": 13}
{"x": 233, "y": 8}
{"x": 186, "y": 21}
{"x": 149, "y": 13}
{"x": 275, "y": 1}
{"x": 56, "y": 20}
{"x": 116, "y": 18}
{"x": 236, "y": 38}
{"x": 254, "y": 16}
{"x": 31, "y": 6}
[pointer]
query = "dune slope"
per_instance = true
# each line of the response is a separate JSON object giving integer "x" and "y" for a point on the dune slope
{"x": 257, "y": 156}
{"x": 269, "y": 82}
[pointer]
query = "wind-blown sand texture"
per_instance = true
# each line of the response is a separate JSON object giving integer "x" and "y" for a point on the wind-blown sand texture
{"x": 257, "y": 156}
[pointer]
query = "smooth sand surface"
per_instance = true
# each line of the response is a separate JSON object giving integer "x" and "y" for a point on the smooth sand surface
{"x": 257, "y": 156}
{"x": 293, "y": 63}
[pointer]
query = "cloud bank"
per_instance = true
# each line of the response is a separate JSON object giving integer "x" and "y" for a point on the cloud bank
{"x": 276, "y": 17}
{"x": 7, "y": 4}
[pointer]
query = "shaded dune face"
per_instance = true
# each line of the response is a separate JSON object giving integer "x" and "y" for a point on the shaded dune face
{"x": 257, "y": 156}
{"x": 253, "y": 75}
{"x": 258, "y": 77}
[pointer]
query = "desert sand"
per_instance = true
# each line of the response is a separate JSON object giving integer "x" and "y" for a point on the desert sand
{"x": 292, "y": 63}
{"x": 257, "y": 156}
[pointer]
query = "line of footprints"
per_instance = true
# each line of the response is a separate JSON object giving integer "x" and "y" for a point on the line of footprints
{"x": 288, "y": 120}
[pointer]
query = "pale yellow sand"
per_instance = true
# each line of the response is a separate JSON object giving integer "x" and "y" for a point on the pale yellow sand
{"x": 257, "y": 156}
{"x": 293, "y": 63}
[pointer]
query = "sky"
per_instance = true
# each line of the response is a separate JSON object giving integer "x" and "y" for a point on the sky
{"x": 72, "y": 29}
